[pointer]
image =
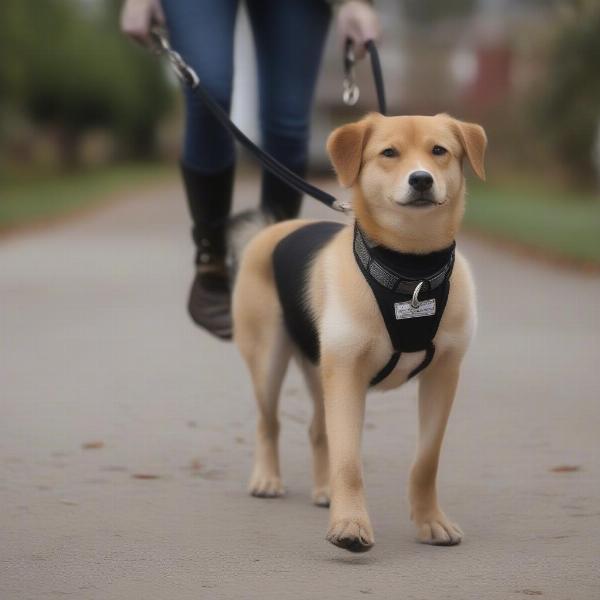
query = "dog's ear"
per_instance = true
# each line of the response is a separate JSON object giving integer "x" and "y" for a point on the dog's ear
{"x": 345, "y": 147}
{"x": 474, "y": 142}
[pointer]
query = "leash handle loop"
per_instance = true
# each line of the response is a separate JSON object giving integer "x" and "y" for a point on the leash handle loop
{"x": 190, "y": 79}
{"x": 377, "y": 76}
{"x": 351, "y": 91}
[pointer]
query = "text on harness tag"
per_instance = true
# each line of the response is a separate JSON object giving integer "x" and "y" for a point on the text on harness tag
{"x": 405, "y": 310}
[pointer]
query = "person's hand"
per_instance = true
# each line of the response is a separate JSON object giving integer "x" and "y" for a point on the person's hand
{"x": 138, "y": 16}
{"x": 359, "y": 22}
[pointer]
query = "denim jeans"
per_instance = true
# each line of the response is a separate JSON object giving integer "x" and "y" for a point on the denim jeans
{"x": 289, "y": 37}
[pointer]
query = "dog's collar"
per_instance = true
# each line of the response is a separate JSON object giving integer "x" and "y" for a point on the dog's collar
{"x": 401, "y": 272}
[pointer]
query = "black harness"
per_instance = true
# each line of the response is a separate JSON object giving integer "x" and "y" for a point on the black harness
{"x": 411, "y": 290}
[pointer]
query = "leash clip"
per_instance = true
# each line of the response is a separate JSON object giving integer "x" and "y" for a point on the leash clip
{"x": 184, "y": 72}
{"x": 351, "y": 91}
{"x": 342, "y": 206}
{"x": 415, "y": 299}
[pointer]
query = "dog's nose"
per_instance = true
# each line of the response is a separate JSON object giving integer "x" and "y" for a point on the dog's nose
{"x": 420, "y": 180}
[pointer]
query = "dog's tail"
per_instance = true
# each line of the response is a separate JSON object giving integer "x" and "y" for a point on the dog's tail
{"x": 240, "y": 230}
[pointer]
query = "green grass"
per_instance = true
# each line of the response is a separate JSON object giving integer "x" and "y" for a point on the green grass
{"x": 563, "y": 223}
{"x": 32, "y": 198}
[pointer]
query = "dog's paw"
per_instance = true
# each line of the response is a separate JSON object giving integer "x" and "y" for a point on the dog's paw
{"x": 321, "y": 497}
{"x": 438, "y": 530}
{"x": 355, "y": 535}
{"x": 266, "y": 486}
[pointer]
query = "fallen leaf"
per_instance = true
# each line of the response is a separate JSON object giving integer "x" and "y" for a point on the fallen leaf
{"x": 565, "y": 469}
{"x": 196, "y": 465}
{"x": 145, "y": 476}
{"x": 93, "y": 445}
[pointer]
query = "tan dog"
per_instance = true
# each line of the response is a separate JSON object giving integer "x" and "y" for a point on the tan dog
{"x": 376, "y": 157}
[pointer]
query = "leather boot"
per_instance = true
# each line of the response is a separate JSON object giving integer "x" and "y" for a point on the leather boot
{"x": 209, "y": 201}
{"x": 278, "y": 199}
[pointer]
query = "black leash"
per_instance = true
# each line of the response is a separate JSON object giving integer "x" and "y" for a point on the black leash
{"x": 351, "y": 90}
{"x": 189, "y": 78}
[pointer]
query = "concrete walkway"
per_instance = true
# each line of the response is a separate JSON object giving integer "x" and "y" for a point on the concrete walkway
{"x": 96, "y": 350}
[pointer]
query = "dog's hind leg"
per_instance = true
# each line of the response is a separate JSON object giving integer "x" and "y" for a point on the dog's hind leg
{"x": 318, "y": 435}
{"x": 268, "y": 364}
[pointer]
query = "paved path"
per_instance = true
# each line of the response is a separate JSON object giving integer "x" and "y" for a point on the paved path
{"x": 96, "y": 346}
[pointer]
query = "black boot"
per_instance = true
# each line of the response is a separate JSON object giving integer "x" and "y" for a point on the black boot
{"x": 209, "y": 200}
{"x": 278, "y": 199}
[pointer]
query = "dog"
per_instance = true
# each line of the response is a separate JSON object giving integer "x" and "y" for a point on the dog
{"x": 408, "y": 198}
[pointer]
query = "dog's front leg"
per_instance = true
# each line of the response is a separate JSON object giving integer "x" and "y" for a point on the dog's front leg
{"x": 345, "y": 391}
{"x": 437, "y": 387}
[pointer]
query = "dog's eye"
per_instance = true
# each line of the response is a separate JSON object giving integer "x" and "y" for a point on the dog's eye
{"x": 389, "y": 152}
{"x": 438, "y": 150}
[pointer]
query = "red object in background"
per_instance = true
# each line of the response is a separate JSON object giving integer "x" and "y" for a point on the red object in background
{"x": 493, "y": 79}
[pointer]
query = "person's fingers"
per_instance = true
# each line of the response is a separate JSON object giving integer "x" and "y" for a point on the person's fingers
{"x": 366, "y": 27}
{"x": 358, "y": 40}
{"x": 359, "y": 22}
{"x": 371, "y": 26}
{"x": 135, "y": 30}
{"x": 158, "y": 14}
{"x": 350, "y": 31}
{"x": 135, "y": 21}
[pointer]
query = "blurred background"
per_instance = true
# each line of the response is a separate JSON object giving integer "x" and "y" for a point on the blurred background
{"x": 126, "y": 433}
{"x": 84, "y": 113}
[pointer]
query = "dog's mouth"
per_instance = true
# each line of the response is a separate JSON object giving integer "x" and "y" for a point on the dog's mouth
{"x": 422, "y": 200}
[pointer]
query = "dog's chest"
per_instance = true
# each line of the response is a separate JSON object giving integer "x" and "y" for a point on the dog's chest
{"x": 342, "y": 334}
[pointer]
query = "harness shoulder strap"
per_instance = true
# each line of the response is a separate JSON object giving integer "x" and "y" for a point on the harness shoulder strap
{"x": 429, "y": 352}
{"x": 389, "y": 367}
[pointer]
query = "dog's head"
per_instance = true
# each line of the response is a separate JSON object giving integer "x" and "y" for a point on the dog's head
{"x": 407, "y": 170}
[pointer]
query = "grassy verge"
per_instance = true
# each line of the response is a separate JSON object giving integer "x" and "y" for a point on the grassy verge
{"x": 556, "y": 221}
{"x": 30, "y": 199}
{"x": 533, "y": 214}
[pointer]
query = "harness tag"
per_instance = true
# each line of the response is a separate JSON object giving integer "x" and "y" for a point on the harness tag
{"x": 405, "y": 310}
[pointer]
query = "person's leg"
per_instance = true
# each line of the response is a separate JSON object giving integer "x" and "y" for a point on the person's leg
{"x": 202, "y": 31}
{"x": 289, "y": 38}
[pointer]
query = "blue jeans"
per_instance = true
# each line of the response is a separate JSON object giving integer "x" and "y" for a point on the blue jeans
{"x": 289, "y": 37}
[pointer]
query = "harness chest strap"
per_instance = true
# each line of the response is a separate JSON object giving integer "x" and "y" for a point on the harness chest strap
{"x": 411, "y": 291}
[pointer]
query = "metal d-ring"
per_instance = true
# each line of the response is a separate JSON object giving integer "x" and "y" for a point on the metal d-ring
{"x": 351, "y": 91}
{"x": 184, "y": 72}
{"x": 415, "y": 299}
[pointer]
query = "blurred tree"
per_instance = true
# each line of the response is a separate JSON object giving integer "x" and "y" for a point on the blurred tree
{"x": 68, "y": 67}
{"x": 568, "y": 104}
{"x": 12, "y": 72}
